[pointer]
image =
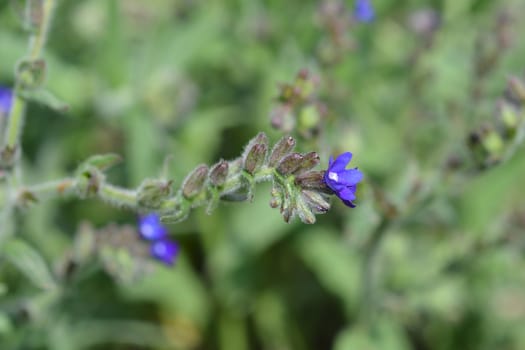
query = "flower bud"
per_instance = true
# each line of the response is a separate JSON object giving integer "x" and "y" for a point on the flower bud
{"x": 277, "y": 199}
{"x": 304, "y": 211}
{"x": 88, "y": 182}
{"x": 255, "y": 158}
{"x": 194, "y": 182}
{"x": 290, "y": 163}
{"x": 219, "y": 173}
{"x": 509, "y": 118}
{"x": 281, "y": 149}
{"x": 31, "y": 73}
{"x": 517, "y": 88}
{"x": 313, "y": 180}
{"x": 316, "y": 201}
{"x": 152, "y": 191}
{"x": 310, "y": 160}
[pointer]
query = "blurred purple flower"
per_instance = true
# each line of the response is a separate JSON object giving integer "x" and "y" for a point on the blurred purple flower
{"x": 162, "y": 248}
{"x": 364, "y": 11}
{"x": 165, "y": 250}
{"x": 6, "y": 100}
{"x": 341, "y": 180}
{"x": 150, "y": 227}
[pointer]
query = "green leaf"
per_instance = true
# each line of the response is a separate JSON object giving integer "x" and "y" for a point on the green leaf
{"x": 30, "y": 263}
{"x": 103, "y": 161}
{"x": 46, "y": 98}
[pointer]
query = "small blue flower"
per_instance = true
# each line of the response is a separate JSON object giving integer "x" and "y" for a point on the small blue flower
{"x": 6, "y": 100}
{"x": 364, "y": 11}
{"x": 165, "y": 250}
{"x": 150, "y": 227}
{"x": 341, "y": 180}
{"x": 161, "y": 248}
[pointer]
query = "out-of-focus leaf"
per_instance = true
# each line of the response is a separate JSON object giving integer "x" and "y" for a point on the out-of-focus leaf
{"x": 30, "y": 263}
{"x": 384, "y": 334}
{"x": 46, "y": 98}
{"x": 333, "y": 263}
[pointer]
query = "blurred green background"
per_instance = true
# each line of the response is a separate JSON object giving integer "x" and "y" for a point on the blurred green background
{"x": 196, "y": 80}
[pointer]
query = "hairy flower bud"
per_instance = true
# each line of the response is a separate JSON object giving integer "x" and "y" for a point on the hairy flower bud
{"x": 281, "y": 149}
{"x": 310, "y": 160}
{"x": 152, "y": 191}
{"x": 255, "y": 153}
{"x": 304, "y": 211}
{"x": 290, "y": 163}
{"x": 255, "y": 158}
{"x": 313, "y": 180}
{"x": 219, "y": 173}
{"x": 194, "y": 182}
{"x": 316, "y": 201}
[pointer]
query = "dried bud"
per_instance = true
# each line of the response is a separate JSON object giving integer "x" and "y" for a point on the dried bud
{"x": 290, "y": 163}
{"x": 281, "y": 149}
{"x": 152, "y": 191}
{"x": 313, "y": 180}
{"x": 310, "y": 160}
{"x": 219, "y": 173}
{"x": 255, "y": 158}
{"x": 194, "y": 182}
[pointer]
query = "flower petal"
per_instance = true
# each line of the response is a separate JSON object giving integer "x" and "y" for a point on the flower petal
{"x": 349, "y": 204}
{"x": 150, "y": 227}
{"x": 350, "y": 177}
{"x": 340, "y": 162}
{"x": 165, "y": 250}
{"x": 347, "y": 193}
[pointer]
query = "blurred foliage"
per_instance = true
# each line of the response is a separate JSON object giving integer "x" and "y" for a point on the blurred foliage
{"x": 195, "y": 80}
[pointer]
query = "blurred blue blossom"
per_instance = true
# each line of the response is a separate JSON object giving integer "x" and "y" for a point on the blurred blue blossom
{"x": 6, "y": 100}
{"x": 341, "y": 180}
{"x": 162, "y": 248}
{"x": 364, "y": 11}
{"x": 150, "y": 227}
{"x": 165, "y": 250}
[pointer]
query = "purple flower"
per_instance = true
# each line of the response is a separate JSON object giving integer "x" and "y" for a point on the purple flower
{"x": 341, "y": 180}
{"x": 151, "y": 228}
{"x": 364, "y": 11}
{"x": 165, "y": 250}
{"x": 6, "y": 100}
{"x": 161, "y": 248}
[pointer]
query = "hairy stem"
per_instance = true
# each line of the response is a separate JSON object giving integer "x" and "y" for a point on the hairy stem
{"x": 36, "y": 45}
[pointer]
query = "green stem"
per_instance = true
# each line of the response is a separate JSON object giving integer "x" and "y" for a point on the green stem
{"x": 36, "y": 45}
{"x": 118, "y": 196}
{"x": 55, "y": 187}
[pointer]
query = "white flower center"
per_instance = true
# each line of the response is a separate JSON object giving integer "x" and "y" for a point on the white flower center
{"x": 333, "y": 176}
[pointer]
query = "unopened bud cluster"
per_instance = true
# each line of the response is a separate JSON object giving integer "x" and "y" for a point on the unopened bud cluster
{"x": 299, "y": 108}
{"x": 297, "y": 190}
{"x": 494, "y": 142}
